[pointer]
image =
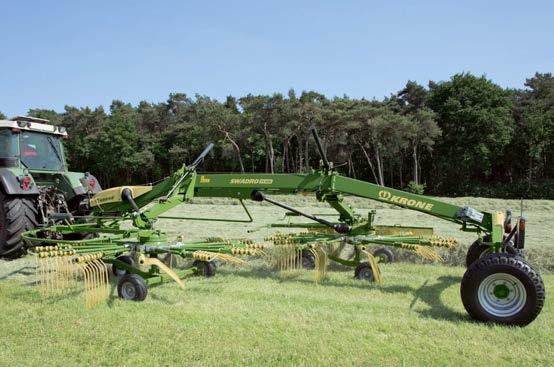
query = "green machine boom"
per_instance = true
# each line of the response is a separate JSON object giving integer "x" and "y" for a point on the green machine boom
{"x": 498, "y": 286}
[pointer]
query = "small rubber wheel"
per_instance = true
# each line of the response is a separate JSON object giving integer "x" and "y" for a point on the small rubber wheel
{"x": 127, "y": 260}
{"x": 171, "y": 260}
{"x": 308, "y": 260}
{"x": 475, "y": 251}
{"x": 205, "y": 268}
{"x": 503, "y": 289}
{"x": 363, "y": 271}
{"x": 132, "y": 287}
{"x": 384, "y": 254}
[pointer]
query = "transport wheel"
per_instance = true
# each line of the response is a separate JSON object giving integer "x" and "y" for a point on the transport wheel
{"x": 132, "y": 287}
{"x": 475, "y": 251}
{"x": 503, "y": 289}
{"x": 384, "y": 254}
{"x": 363, "y": 271}
{"x": 127, "y": 260}
{"x": 308, "y": 260}
{"x": 205, "y": 268}
{"x": 17, "y": 215}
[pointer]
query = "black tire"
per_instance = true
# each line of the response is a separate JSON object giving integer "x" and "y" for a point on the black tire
{"x": 171, "y": 260}
{"x": 502, "y": 289}
{"x": 308, "y": 260}
{"x": 205, "y": 268}
{"x": 17, "y": 215}
{"x": 475, "y": 251}
{"x": 132, "y": 287}
{"x": 363, "y": 272}
{"x": 386, "y": 255}
{"x": 127, "y": 260}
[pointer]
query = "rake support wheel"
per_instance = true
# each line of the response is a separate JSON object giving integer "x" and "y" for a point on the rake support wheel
{"x": 502, "y": 289}
{"x": 132, "y": 287}
{"x": 205, "y": 268}
{"x": 308, "y": 260}
{"x": 127, "y": 260}
{"x": 364, "y": 272}
{"x": 386, "y": 255}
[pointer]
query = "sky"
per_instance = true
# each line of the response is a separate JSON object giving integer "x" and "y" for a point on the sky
{"x": 87, "y": 53}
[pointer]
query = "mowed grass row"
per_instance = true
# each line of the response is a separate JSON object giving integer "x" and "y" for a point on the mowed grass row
{"x": 256, "y": 317}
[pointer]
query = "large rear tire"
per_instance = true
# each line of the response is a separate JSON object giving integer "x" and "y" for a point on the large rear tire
{"x": 17, "y": 215}
{"x": 502, "y": 289}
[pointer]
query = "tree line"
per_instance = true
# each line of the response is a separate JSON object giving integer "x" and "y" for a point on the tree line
{"x": 463, "y": 136}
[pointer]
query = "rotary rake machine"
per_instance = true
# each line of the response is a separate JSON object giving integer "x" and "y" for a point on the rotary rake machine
{"x": 498, "y": 286}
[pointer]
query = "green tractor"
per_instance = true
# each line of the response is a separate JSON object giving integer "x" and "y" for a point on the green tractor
{"x": 36, "y": 188}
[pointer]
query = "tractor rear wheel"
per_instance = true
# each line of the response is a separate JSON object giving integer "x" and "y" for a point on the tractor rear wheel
{"x": 17, "y": 215}
{"x": 503, "y": 289}
{"x": 132, "y": 287}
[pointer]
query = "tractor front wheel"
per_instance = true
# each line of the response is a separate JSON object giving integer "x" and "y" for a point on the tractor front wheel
{"x": 17, "y": 215}
{"x": 363, "y": 271}
{"x": 503, "y": 289}
{"x": 132, "y": 287}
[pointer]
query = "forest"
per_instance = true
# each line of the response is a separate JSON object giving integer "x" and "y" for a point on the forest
{"x": 466, "y": 136}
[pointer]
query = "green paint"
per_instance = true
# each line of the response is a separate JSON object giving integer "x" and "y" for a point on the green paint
{"x": 501, "y": 291}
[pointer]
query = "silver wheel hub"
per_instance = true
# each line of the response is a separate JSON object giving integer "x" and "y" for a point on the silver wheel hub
{"x": 502, "y": 295}
{"x": 366, "y": 273}
{"x": 128, "y": 290}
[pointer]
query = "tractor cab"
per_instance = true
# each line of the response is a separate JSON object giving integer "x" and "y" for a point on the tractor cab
{"x": 35, "y": 185}
{"x": 31, "y": 143}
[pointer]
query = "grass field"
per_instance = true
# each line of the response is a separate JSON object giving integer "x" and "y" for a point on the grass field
{"x": 252, "y": 316}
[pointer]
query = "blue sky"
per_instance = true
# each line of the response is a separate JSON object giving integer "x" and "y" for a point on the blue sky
{"x": 86, "y": 53}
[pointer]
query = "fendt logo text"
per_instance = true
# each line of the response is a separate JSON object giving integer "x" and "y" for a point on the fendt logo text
{"x": 388, "y": 196}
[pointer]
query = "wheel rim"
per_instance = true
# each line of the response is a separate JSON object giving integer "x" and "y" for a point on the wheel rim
{"x": 128, "y": 290}
{"x": 383, "y": 258}
{"x": 502, "y": 295}
{"x": 366, "y": 274}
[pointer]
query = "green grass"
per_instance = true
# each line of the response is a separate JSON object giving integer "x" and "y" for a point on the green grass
{"x": 251, "y": 316}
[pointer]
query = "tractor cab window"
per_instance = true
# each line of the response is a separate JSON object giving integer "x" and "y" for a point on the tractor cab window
{"x": 8, "y": 149}
{"x": 8, "y": 144}
{"x": 41, "y": 151}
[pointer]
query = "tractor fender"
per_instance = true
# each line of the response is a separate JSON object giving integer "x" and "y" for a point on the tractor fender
{"x": 80, "y": 184}
{"x": 11, "y": 185}
{"x": 85, "y": 183}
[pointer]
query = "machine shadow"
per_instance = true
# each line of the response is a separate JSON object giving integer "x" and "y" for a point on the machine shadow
{"x": 24, "y": 270}
{"x": 430, "y": 295}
